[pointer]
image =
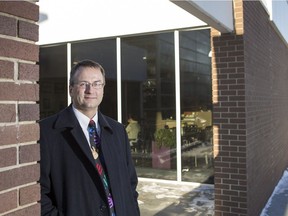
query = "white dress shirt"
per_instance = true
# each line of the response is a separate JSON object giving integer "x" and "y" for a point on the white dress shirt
{"x": 84, "y": 122}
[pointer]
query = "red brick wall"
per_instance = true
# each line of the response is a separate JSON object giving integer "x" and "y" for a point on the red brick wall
{"x": 250, "y": 96}
{"x": 266, "y": 84}
{"x": 19, "y": 111}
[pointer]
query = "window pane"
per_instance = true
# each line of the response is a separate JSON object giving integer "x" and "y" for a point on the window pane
{"x": 196, "y": 106}
{"x": 103, "y": 52}
{"x": 148, "y": 100}
{"x": 53, "y": 79}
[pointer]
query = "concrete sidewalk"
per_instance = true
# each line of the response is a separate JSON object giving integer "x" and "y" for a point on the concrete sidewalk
{"x": 169, "y": 198}
{"x": 163, "y": 198}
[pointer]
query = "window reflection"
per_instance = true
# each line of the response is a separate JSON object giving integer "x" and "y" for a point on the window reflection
{"x": 196, "y": 106}
{"x": 53, "y": 79}
{"x": 148, "y": 95}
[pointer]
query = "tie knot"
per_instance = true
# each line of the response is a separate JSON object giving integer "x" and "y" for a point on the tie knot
{"x": 92, "y": 123}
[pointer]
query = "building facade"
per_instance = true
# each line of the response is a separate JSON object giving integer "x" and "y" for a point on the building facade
{"x": 249, "y": 84}
{"x": 213, "y": 97}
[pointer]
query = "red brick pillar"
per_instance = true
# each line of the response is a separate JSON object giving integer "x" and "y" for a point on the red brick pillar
{"x": 19, "y": 111}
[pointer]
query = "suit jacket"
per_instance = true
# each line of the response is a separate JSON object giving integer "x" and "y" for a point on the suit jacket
{"x": 70, "y": 184}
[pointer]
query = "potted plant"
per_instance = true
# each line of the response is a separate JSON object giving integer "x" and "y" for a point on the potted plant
{"x": 163, "y": 147}
{"x": 165, "y": 137}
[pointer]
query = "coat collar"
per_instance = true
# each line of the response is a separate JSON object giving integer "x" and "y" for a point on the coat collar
{"x": 67, "y": 119}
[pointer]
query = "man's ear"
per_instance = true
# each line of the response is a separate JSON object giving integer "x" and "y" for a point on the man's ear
{"x": 70, "y": 90}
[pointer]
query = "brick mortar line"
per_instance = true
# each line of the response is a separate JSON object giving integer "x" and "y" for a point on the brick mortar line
{"x": 19, "y": 187}
{"x": 19, "y": 18}
{"x": 18, "y": 39}
{"x": 17, "y": 102}
{"x": 17, "y": 166}
{"x": 18, "y": 81}
{"x": 16, "y": 60}
{"x": 17, "y": 123}
{"x": 35, "y": 142}
{"x": 19, "y": 208}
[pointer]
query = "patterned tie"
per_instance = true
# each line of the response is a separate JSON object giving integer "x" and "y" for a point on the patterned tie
{"x": 94, "y": 139}
{"x": 95, "y": 148}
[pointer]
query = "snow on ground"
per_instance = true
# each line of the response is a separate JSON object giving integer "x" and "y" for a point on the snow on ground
{"x": 158, "y": 198}
{"x": 169, "y": 199}
{"x": 277, "y": 204}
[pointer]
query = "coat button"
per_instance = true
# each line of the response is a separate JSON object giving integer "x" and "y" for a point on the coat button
{"x": 102, "y": 208}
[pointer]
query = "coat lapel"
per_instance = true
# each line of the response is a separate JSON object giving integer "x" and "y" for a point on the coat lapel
{"x": 82, "y": 142}
{"x": 106, "y": 140}
{"x": 68, "y": 120}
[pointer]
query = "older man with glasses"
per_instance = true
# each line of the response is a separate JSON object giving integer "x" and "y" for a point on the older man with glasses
{"x": 86, "y": 164}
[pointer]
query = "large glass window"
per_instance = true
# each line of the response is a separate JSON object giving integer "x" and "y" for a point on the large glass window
{"x": 196, "y": 106}
{"x": 148, "y": 99}
{"x": 103, "y": 52}
{"x": 53, "y": 79}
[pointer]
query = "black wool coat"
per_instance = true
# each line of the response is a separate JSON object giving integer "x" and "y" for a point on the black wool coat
{"x": 70, "y": 184}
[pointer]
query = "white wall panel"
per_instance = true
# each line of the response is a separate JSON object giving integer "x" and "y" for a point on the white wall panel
{"x": 70, "y": 20}
{"x": 218, "y": 14}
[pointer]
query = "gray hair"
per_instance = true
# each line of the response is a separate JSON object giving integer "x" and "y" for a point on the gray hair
{"x": 84, "y": 64}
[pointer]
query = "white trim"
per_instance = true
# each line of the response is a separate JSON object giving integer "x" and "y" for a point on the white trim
{"x": 119, "y": 78}
{"x": 164, "y": 181}
{"x": 68, "y": 71}
{"x": 178, "y": 107}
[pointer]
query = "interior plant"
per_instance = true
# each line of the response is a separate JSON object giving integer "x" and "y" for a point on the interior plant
{"x": 165, "y": 137}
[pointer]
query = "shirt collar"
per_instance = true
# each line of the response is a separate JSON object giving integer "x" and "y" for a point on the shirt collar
{"x": 83, "y": 119}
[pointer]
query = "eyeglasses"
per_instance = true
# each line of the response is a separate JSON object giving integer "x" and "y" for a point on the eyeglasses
{"x": 94, "y": 85}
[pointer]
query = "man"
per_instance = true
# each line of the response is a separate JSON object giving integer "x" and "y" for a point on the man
{"x": 72, "y": 181}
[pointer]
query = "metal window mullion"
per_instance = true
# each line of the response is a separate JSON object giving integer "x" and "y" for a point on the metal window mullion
{"x": 119, "y": 89}
{"x": 178, "y": 107}
{"x": 68, "y": 71}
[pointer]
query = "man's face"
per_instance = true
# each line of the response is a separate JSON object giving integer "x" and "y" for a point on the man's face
{"x": 85, "y": 97}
